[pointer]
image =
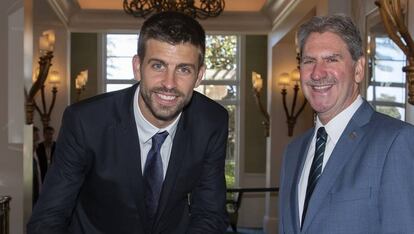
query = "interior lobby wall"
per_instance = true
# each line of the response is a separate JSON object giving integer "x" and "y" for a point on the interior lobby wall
{"x": 84, "y": 56}
{"x": 253, "y": 155}
{"x": 15, "y": 27}
{"x": 255, "y": 147}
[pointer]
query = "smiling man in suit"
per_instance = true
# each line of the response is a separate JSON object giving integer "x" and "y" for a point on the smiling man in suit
{"x": 147, "y": 159}
{"x": 353, "y": 172}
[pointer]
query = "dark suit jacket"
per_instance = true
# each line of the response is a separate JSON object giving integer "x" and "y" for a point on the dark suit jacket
{"x": 95, "y": 184}
{"x": 367, "y": 185}
{"x": 41, "y": 155}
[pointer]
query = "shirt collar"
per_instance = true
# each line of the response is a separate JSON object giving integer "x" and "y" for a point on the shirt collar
{"x": 337, "y": 125}
{"x": 146, "y": 130}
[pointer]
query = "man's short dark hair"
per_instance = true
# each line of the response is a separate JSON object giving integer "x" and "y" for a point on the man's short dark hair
{"x": 174, "y": 28}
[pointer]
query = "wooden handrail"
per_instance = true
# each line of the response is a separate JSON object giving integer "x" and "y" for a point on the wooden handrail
{"x": 250, "y": 190}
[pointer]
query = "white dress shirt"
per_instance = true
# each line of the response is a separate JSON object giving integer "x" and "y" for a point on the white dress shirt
{"x": 145, "y": 132}
{"x": 334, "y": 129}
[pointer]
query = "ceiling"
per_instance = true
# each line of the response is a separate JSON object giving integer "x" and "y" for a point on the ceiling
{"x": 230, "y": 5}
{"x": 247, "y": 16}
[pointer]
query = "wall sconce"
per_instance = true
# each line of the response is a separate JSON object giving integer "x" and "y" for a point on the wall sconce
{"x": 257, "y": 83}
{"x": 45, "y": 112}
{"x": 285, "y": 80}
{"x": 46, "y": 46}
{"x": 80, "y": 83}
{"x": 393, "y": 17}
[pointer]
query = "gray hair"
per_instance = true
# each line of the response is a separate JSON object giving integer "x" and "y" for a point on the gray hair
{"x": 339, "y": 24}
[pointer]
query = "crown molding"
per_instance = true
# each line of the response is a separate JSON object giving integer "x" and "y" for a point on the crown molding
{"x": 76, "y": 19}
{"x": 278, "y": 11}
{"x": 231, "y": 22}
{"x": 242, "y": 22}
{"x": 64, "y": 9}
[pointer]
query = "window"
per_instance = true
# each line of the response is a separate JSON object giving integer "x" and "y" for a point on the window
{"x": 221, "y": 82}
{"x": 120, "y": 48}
{"x": 386, "y": 90}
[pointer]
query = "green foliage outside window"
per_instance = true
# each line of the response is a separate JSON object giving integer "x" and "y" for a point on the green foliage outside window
{"x": 221, "y": 57}
{"x": 221, "y": 52}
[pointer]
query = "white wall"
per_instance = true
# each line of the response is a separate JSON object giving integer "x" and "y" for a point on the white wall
{"x": 253, "y": 204}
{"x": 15, "y": 162}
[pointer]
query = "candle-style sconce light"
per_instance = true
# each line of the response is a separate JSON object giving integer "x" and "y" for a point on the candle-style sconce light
{"x": 285, "y": 79}
{"x": 46, "y": 46}
{"x": 80, "y": 83}
{"x": 257, "y": 83}
{"x": 45, "y": 112}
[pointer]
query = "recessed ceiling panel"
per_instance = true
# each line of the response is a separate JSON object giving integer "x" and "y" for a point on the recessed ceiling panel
{"x": 231, "y": 5}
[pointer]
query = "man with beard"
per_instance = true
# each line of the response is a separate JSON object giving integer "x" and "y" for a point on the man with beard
{"x": 353, "y": 172}
{"x": 147, "y": 159}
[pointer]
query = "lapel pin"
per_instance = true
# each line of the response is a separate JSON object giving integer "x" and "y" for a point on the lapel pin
{"x": 352, "y": 135}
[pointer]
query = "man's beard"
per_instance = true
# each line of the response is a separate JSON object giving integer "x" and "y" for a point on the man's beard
{"x": 164, "y": 113}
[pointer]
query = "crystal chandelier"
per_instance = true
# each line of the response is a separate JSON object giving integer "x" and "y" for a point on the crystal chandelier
{"x": 203, "y": 10}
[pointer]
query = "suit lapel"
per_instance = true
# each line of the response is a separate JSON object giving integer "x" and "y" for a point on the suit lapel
{"x": 343, "y": 151}
{"x": 128, "y": 147}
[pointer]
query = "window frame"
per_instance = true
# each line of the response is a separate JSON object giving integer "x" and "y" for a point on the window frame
{"x": 375, "y": 30}
{"x": 372, "y": 83}
{"x": 106, "y": 81}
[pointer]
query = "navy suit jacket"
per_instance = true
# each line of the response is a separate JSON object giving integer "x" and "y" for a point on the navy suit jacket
{"x": 95, "y": 184}
{"x": 367, "y": 185}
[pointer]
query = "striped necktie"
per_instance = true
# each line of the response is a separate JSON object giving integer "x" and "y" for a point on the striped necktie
{"x": 316, "y": 167}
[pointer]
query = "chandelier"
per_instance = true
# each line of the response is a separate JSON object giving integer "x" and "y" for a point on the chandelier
{"x": 203, "y": 10}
